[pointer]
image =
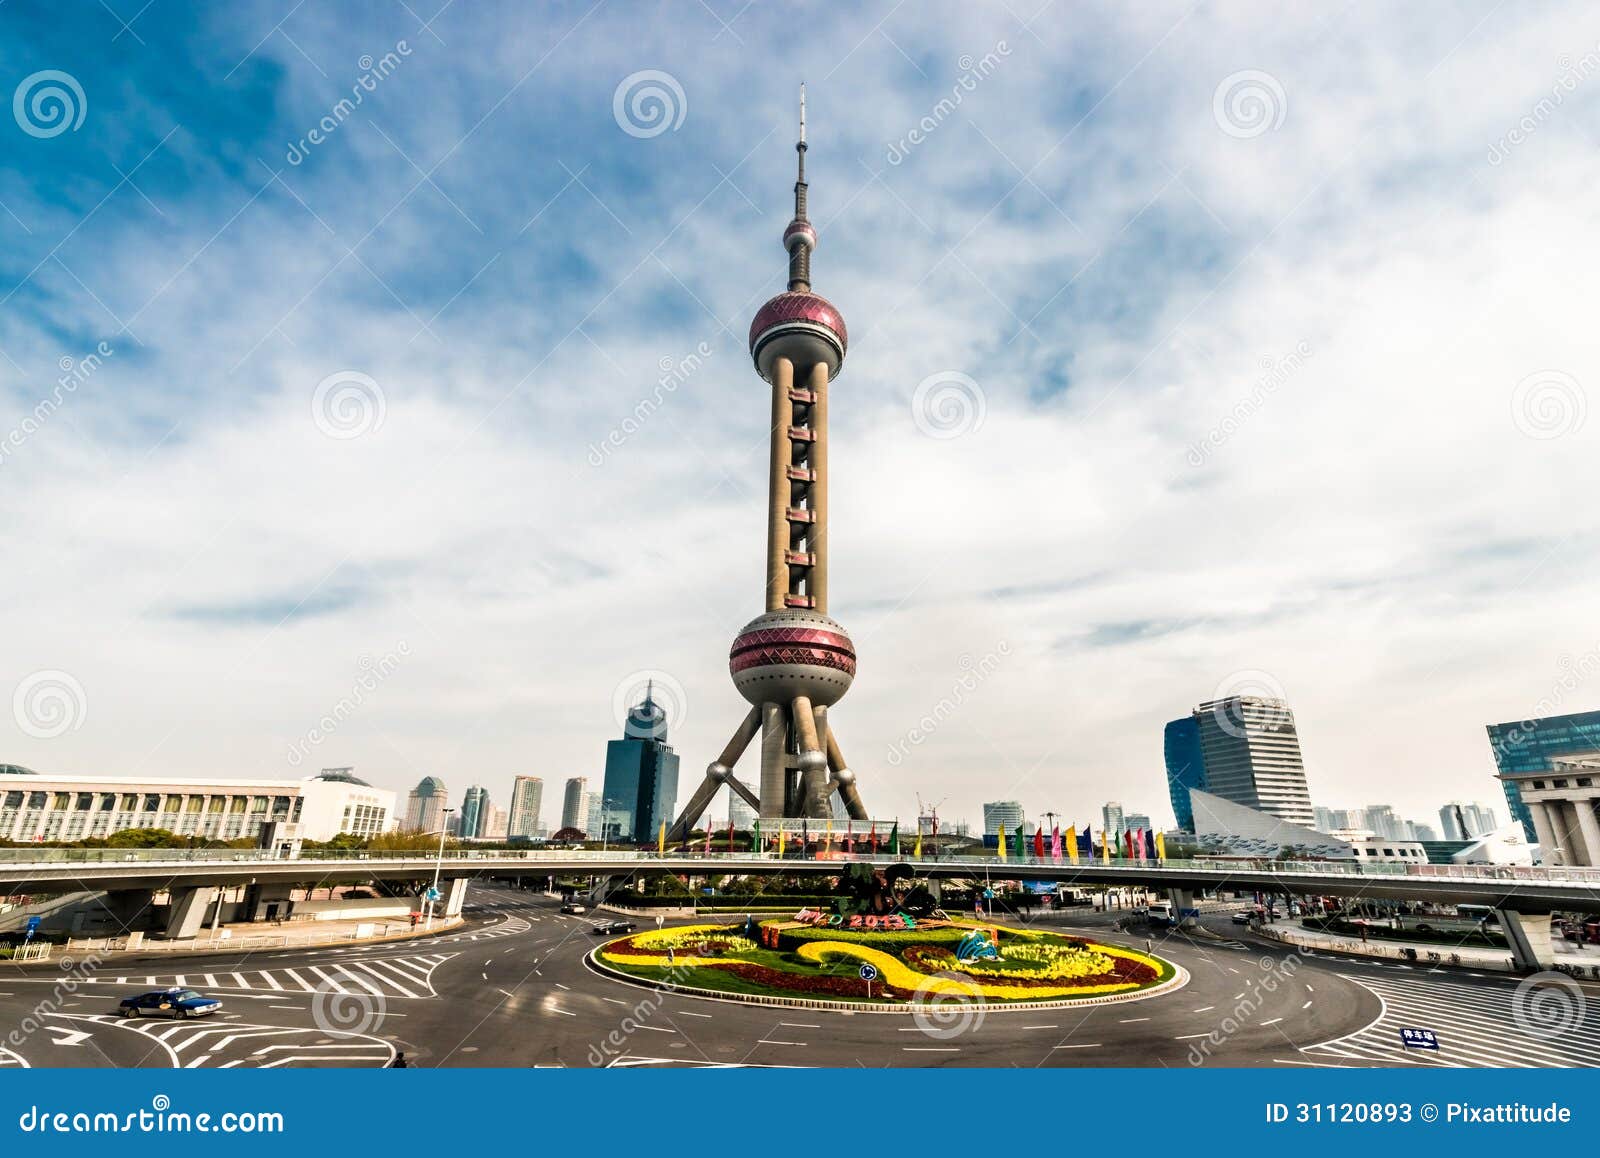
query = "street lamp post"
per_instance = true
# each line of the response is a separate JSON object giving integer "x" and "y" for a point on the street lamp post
{"x": 438, "y": 865}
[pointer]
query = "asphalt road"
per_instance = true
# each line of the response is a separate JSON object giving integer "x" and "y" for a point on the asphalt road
{"x": 513, "y": 989}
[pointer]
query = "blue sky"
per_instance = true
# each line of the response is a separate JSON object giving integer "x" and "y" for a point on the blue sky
{"x": 1191, "y": 350}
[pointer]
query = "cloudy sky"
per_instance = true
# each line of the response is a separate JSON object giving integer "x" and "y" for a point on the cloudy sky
{"x": 1194, "y": 348}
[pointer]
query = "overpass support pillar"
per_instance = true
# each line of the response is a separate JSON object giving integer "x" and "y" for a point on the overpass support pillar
{"x": 187, "y": 915}
{"x": 454, "y": 894}
{"x": 1184, "y": 910}
{"x": 1528, "y": 934}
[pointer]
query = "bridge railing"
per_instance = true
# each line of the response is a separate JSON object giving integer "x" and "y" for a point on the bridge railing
{"x": 13, "y": 859}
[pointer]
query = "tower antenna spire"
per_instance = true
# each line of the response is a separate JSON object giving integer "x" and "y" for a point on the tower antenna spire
{"x": 800, "y": 239}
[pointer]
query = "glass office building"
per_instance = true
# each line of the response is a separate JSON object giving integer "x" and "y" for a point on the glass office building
{"x": 1529, "y": 746}
{"x": 640, "y": 791}
{"x": 1186, "y": 767}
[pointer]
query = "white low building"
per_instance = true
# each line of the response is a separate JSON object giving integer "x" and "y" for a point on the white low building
{"x": 35, "y": 807}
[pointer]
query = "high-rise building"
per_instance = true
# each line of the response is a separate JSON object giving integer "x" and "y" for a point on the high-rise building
{"x": 1252, "y": 756}
{"x": 1186, "y": 767}
{"x": 1111, "y": 819}
{"x": 426, "y": 804}
{"x": 641, "y": 783}
{"x": 474, "y": 811}
{"x": 1419, "y": 831}
{"x": 527, "y": 797}
{"x": 1326, "y": 819}
{"x": 792, "y": 662}
{"x": 1463, "y": 821}
{"x": 575, "y": 804}
{"x": 740, "y": 814}
{"x": 493, "y": 826}
{"x": 1132, "y": 821}
{"x": 1002, "y": 812}
{"x": 1382, "y": 820}
{"x": 1525, "y": 748}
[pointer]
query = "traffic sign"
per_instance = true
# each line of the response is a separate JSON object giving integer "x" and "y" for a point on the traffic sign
{"x": 1419, "y": 1039}
{"x": 869, "y": 972}
{"x": 432, "y": 894}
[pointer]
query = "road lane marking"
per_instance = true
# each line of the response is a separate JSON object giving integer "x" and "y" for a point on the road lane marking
{"x": 1086, "y": 1045}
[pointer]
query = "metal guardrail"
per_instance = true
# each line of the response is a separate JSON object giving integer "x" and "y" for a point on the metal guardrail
{"x": 28, "y": 858}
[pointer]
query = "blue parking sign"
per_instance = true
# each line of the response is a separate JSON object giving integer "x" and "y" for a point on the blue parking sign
{"x": 1419, "y": 1039}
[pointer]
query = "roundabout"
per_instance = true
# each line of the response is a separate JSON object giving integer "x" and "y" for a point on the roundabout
{"x": 894, "y": 965}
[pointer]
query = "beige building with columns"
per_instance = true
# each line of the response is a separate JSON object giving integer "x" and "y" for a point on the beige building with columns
{"x": 1562, "y": 803}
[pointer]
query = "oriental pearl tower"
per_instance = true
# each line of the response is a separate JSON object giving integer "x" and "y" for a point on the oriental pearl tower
{"x": 792, "y": 662}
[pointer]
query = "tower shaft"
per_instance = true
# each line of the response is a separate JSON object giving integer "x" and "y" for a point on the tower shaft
{"x": 797, "y": 497}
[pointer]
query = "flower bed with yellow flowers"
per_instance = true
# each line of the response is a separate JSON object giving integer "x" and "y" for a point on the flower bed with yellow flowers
{"x": 786, "y": 961}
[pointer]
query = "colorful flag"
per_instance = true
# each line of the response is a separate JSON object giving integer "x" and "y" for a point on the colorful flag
{"x": 661, "y": 840}
{"x": 783, "y": 840}
{"x": 1038, "y": 842}
{"x": 1072, "y": 844}
{"x": 1022, "y": 848}
{"x": 1105, "y": 847}
{"x": 827, "y": 838}
{"x": 1000, "y": 842}
{"x": 916, "y": 852}
{"x": 894, "y": 839}
{"x": 730, "y": 833}
{"x": 755, "y": 836}
{"x": 849, "y": 836}
{"x": 1055, "y": 843}
{"x": 1161, "y": 846}
{"x": 708, "y": 838}
{"x": 873, "y": 837}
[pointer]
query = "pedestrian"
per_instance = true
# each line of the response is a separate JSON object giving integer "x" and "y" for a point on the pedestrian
{"x": 1149, "y": 945}
{"x": 399, "y": 1062}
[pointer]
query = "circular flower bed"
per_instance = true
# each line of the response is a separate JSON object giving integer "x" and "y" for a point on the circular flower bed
{"x": 790, "y": 959}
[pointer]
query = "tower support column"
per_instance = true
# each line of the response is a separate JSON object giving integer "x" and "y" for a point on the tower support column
{"x": 774, "y": 761}
{"x": 817, "y": 587}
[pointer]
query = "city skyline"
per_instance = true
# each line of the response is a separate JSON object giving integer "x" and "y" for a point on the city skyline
{"x": 1263, "y": 493}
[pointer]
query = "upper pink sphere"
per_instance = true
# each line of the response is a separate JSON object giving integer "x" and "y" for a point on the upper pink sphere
{"x": 803, "y": 327}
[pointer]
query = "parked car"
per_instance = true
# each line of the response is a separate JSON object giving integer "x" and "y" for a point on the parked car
{"x": 174, "y": 1003}
{"x": 606, "y": 928}
{"x": 1242, "y": 917}
{"x": 573, "y": 909}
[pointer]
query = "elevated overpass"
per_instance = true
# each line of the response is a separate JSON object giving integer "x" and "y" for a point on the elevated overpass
{"x": 1523, "y": 896}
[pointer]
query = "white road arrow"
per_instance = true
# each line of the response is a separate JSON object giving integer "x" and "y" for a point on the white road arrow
{"x": 65, "y": 1036}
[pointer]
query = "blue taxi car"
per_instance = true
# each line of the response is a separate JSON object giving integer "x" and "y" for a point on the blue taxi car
{"x": 173, "y": 1002}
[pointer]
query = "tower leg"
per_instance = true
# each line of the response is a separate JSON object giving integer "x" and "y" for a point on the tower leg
{"x": 813, "y": 764}
{"x": 774, "y": 761}
{"x": 845, "y": 780}
{"x": 719, "y": 771}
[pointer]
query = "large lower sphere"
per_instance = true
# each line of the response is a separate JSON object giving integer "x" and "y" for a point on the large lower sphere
{"x": 784, "y": 654}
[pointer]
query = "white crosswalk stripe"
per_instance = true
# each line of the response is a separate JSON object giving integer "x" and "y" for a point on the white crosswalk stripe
{"x": 1477, "y": 1025}
{"x": 410, "y": 976}
{"x": 509, "y": 927}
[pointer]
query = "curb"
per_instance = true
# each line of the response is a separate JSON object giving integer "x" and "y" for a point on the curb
{"x": 1178, "y": 980}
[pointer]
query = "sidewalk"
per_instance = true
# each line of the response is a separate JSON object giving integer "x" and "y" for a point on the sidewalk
{"x": 250, "y": 936}
{"x": 1291, "y": 932}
